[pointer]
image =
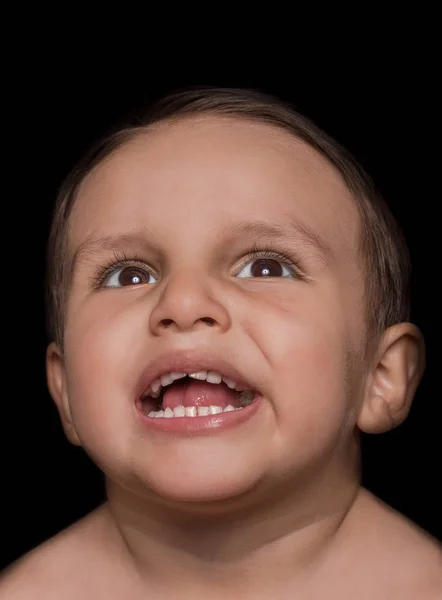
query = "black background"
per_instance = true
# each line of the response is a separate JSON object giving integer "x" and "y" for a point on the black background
{"x": 382, "y": 107}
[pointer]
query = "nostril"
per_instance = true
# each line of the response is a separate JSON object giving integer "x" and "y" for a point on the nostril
{"x": 209, "y": 321}
{"x": 166, "y": 322}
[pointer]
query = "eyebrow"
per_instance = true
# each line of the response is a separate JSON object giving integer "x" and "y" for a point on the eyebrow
{"x": 288, "y": 230}
{"x": 96, "y": 244}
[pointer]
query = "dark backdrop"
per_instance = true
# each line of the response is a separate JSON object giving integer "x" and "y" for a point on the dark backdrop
{"x": 381, "y": 108}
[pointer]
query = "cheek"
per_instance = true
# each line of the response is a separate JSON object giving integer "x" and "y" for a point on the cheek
{"x": 102, "y": 351}
{"x": 103, "y": 330}
{"x": 97, "y": 339}
{"x": 306, "y": 342}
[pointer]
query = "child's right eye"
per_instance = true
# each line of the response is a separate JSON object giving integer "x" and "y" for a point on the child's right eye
{"x": 129, "y": 275}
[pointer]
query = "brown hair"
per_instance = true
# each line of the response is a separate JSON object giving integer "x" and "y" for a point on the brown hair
{"x": 383, "y": 249}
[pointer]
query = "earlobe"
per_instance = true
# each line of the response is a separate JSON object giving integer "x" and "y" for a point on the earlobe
{"x": 56, "y": 380}
{"x": 396, "y": 372}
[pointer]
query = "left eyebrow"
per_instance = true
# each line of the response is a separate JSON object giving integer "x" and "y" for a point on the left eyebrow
{"x": 289, "y": 230}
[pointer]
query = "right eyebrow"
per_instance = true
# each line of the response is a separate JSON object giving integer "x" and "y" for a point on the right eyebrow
{"x": 95, "y": 244}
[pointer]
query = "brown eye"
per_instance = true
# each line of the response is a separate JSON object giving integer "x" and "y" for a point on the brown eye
{"x": 266, "y": 267}
{"x": 129, "y": 276}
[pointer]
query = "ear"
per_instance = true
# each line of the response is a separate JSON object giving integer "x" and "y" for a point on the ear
{"x": 396, "y": 372}
{"x": 56, "y": 378}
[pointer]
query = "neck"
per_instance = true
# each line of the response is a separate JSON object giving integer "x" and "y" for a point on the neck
{"x": 285, "y": 530}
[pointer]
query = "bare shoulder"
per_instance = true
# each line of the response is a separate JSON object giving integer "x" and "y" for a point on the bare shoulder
{"x": 60, "y": 567}
{"x": 400, "y": 555}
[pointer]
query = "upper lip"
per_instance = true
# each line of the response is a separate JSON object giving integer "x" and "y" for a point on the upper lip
{"x": 190, "y": 361}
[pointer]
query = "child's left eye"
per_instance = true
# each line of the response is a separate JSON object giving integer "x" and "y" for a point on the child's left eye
{"x": 268, "y": 267}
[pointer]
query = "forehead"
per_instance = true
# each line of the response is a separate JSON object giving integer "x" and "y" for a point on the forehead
{"x": 213, "y": 171}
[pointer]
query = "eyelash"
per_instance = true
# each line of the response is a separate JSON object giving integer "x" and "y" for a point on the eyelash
{"x": 120, "y": 259}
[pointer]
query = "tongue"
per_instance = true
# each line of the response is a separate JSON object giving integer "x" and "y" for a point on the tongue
{"x": 191, "y": 392}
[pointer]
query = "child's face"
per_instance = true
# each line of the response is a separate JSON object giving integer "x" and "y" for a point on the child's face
{"x": 178, "y": 195}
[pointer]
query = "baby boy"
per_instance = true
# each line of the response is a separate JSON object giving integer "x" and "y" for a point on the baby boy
{"x": 228, "y": 309}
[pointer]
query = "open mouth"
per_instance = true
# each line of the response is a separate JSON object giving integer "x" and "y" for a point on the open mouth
{"x": 198, "y": 394}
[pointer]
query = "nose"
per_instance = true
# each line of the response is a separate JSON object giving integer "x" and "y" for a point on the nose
{"x": 189, "y": 303}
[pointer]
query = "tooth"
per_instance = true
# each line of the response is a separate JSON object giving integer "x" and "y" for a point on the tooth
{"x": 175, "y": 375}
{"x": 155, "y": 394}
{"x": 198, "y": 375}
{"x": 238, "y": 388}
{"x": 230, "y": 383}
{"x": 179, "y": 411}
{"x": 155, "y": 386}
{"x": 190, "y": 411}
{"x": 166, "y": 379}
{"x": 213, "y": 377}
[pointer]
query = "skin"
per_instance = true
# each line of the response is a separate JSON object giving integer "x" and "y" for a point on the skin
{"x": 273, "y": 507}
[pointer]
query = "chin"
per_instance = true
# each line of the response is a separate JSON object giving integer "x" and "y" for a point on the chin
{"x": 204, "y": 492}
{"x": 194, "y": 488}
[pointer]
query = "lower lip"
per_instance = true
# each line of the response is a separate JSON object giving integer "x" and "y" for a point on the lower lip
{"x": 202, "y": 425}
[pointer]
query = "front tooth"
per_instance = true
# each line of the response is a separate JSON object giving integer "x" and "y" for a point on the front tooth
{"x": 191, "y": 411}
{"x": 168, "y": 413}
{"x": 155, "y": 386}
{"x": 166, "y": 379}
{"x": 214, "y": 410}
{"x": 203, "y": 411}
{"x": 175, "y": 375}
{"x": 213, "y": 377}
{"x": 179, "y": 411}
{"x": 198, "y": 375}
{"x": 229, "y": 408}
{"x": 230, "y": 383}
